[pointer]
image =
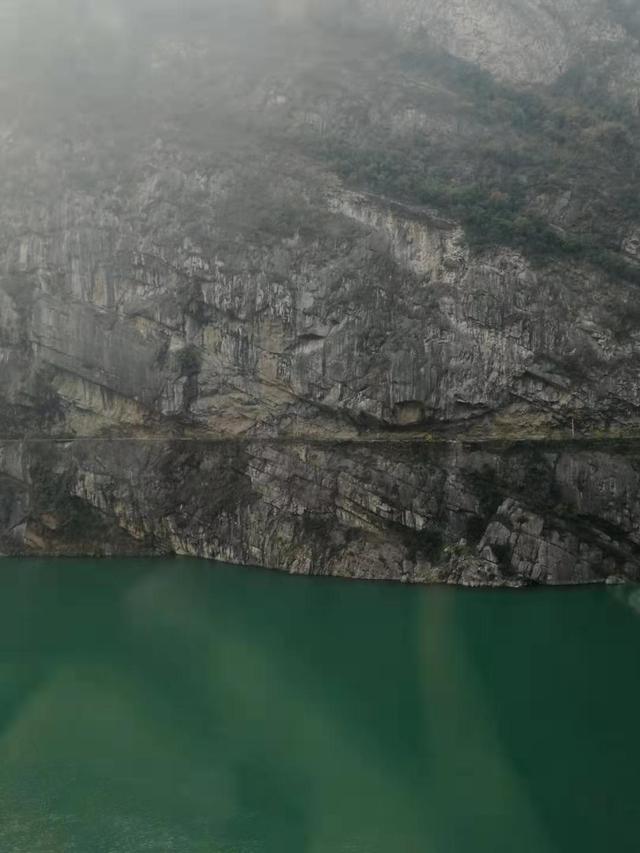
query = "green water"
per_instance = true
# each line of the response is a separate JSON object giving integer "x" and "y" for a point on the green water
{"x": 186, "y": 706}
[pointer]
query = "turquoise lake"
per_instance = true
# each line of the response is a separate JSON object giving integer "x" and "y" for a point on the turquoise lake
{"x": 180, "y": 705}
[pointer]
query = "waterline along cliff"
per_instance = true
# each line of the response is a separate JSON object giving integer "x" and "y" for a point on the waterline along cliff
{"x": 348, "y": 288}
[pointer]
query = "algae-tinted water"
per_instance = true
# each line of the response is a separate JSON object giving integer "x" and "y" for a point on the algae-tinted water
{"x": 187, "y": 706}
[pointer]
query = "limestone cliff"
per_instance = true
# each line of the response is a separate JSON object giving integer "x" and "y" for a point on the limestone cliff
{"x": 352, "y": 290}
{"x": 524, "y": 41}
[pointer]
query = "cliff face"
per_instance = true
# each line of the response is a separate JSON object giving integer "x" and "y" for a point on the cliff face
{"x": 383, "y": 320}
{"x": 476, "y": 514}
{"x": 276, "y": 267}
{"x": 522, "y": 41}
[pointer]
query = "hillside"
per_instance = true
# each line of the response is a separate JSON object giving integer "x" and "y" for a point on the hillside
{"x": 340, "y": 241}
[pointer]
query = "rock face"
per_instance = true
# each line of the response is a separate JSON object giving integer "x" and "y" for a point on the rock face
{"x": 523, "y": 41}
{"x": 476, "y": 514}
{"x": 389, "y": 323}
{"x": 213, "y": 343}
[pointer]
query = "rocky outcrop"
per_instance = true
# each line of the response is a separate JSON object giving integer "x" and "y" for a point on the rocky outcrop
{"x": 389, "y": 323}
{"x": 476, "y": 514}
{"x": 523, "y": 41}
{"x": 216, "y": 341}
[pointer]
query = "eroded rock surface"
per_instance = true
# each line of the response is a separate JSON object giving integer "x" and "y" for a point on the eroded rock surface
{"x": 214, "y": 267}
{"x": 527, "y": 41}
{"x": 473, "y": 514}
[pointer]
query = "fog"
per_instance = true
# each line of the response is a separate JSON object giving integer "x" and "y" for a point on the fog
{"x": 50, "y": 21}
{"x": 63, "y": 43}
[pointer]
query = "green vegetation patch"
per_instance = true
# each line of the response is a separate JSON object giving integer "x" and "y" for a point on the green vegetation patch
{"x": 517, "y": 154}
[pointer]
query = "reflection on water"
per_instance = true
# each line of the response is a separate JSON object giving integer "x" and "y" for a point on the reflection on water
{"x": 184, "y": 706}
{"x": 632, "y": 597}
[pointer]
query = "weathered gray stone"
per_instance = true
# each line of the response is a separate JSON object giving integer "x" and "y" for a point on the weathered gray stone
{"x": 354, "y": 509}
{"x": 210, "y": 345}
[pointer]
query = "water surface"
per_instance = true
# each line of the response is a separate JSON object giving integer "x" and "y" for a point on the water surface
{"x": 176, "y": 705}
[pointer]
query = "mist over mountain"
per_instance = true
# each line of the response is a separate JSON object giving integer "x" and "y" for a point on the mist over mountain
{"x": 350, "y": 287}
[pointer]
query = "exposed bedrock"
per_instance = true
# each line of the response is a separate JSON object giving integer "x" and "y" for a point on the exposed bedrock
{"x": 475, "y": 514}
{"x": 348, "y": 288}
{"x": 382, "y": 318}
